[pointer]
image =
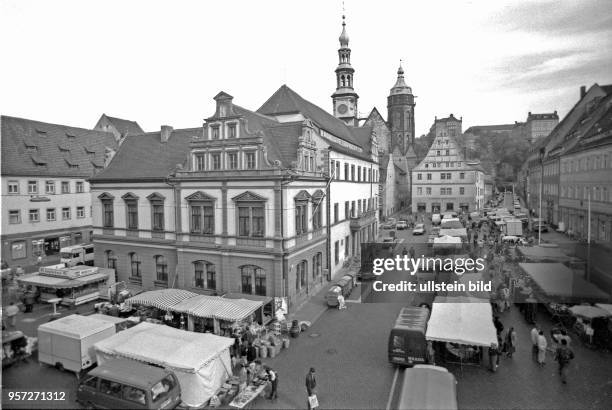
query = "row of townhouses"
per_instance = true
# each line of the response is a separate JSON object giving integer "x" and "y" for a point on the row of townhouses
{"x": 570, "y": 171}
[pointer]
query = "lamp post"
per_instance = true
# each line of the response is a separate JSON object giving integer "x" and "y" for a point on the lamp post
{"x": 539, "y": 224}
{"x": 588, "y": 272}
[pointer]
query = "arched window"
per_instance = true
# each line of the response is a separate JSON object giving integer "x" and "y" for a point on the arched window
{"x": 161, "y": 268}
{"x": 342, "y": 81}
{"x": 205, "y": 275}
{"x": 250, "y": 274}
{"x": 111, "y": 260}
{"x": 135, "y": 264}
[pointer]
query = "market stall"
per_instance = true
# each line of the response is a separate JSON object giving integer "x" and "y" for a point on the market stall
{"x": 463, "y": 325}
{"x": 201, "y": 361}
{"x": 156, "y": 305}
{"x": 16, "y": 346}
{"x": 556, "y": 283}
{"x": 75, "y": 286}
{"x": 592, "y": 324}
{"x": 268, "y": 309}
{"x": 544, "y": 254}
{"x": 216, "y": 314}
{"x": 458, "y": 232}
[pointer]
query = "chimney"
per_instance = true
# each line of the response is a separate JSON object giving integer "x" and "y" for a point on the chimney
{"x": 166, "y": 130}
{"x": 582, "y": 91}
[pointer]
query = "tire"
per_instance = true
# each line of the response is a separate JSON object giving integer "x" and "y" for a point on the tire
{"x": 59, "y": 366}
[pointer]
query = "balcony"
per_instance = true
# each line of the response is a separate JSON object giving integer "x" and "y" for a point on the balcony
{"x": 363, "y": 219}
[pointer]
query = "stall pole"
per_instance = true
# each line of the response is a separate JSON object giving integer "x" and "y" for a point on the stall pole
{"x": 190, "y": 323}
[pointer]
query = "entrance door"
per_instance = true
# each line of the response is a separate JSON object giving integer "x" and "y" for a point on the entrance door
{"x": 450, "y": 206}
{"x": 52, "y": 246}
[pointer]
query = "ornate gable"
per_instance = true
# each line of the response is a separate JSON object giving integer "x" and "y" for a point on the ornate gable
{"x": 249, "y": 196}
{"x": 302, "y": 196}
{"x": 105, "y": 196}
{"x": 156, "y": 196}
{"x": 129, "y": 197}
{"x": 318, "y": 195}
{"x": 199, "y": 196}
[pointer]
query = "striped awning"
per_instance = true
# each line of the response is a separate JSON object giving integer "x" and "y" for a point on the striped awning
{"x": 216, "y": 307}
{"x": 164, "y": 299}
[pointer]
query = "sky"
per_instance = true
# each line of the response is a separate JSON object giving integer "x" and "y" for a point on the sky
{"x": 162, "y": 62}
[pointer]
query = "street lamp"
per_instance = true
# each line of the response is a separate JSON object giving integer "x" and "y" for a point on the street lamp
{"x": 539, "y": 224}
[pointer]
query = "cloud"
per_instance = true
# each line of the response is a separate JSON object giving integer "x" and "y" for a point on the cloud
{"x": 557, "y": 17}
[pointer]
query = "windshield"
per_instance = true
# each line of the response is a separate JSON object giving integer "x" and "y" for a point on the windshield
{"x": 66, "y": 255}
{"x": 161, "y": 389}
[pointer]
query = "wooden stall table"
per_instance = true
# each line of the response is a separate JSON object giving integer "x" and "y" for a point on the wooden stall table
{"x": 245, "y": 398}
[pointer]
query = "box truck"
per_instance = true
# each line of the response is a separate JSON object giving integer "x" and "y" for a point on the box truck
{"x": 67, "y": 343}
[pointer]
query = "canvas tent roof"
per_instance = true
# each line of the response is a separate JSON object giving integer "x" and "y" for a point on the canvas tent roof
{"x": 217, "y": 307}
{"x": 461, "y": 320}
{"x": 446, "y": 239}
{"x": 161, "y": 299}
{"x": 166, "y": 346}
{"x": 453, "y": 232}
{"x": 559, "y": 281}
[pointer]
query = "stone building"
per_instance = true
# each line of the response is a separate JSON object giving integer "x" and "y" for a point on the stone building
{"x": 46, "y": 200}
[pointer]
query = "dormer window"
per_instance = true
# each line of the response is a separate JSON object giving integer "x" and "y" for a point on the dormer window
{"x": 231, "y": 129}
{"x": 215, "y": 132}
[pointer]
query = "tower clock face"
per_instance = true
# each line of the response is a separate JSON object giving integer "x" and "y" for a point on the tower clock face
{"x": 342, "y": 108}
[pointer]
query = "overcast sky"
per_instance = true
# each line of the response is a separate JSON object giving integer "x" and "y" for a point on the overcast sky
{"x": 157, "y": 63}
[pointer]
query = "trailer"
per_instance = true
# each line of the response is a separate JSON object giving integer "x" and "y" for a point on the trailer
{"x": 67, "y": 343}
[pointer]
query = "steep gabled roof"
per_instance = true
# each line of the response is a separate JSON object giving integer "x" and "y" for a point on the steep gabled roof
{"x": 42, "y": 149}
{"x": 125, "y": 127}
{"x": 287, "y": 101}
{"x": 145, "y": 157}
{"x": 375, "y": 114}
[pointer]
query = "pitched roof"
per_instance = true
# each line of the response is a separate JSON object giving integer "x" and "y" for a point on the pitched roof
{"x": 145, "y": 157}
{"x": 477, "y": 129}
{"x": 125, "y": 127}
{"x": 59, "y": 150}
{"x": 287, "y": 101}
{"x": 597, "y": 122}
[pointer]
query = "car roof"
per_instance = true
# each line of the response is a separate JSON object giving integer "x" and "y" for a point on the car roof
{"x": 130, "y": 372}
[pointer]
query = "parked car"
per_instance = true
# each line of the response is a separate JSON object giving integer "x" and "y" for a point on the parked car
{"x": 419, "y": 229}
{"x": 540, "y": 226}
{"x": 401, "y": 225}
{"x": 388, "y": 225}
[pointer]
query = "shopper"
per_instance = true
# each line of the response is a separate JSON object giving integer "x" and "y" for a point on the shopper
{"x": 493, "y": 357}
{"x": 542, "y": 345}
{"x": 511, "y": 342}
{"x": 534, "y": 341}
{"x": 311, "y": 385}
{"x": 563, "y": 356}
{"x": 273, "y": 377}
{"x": 11, "y": 314}
{"x": 499, "y": 326}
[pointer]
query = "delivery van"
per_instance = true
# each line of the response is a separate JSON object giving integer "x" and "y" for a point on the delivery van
{"x": 74, "y": 255}
{"x": 407, "y": 344}
{"x": 127, "y": 384}
{"x": 428, "y": 387}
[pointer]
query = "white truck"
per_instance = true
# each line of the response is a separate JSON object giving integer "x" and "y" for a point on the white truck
{"x": 67, "y": 343}
{"x": 514, "y": 227}
{"x": 77, "y": 255}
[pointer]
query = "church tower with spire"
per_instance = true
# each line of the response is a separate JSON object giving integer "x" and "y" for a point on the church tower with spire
{"x": 400, "y": 113}
{"x": 345, "y": 98}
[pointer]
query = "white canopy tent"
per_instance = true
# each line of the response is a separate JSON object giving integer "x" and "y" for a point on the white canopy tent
{"x": 201, "y": 361}
{"x": 461, "y": 320}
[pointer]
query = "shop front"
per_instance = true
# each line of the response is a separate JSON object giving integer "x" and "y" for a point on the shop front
{"x": 435, "y": 207}
{"x": 421, "y": 207}
{"x": 51, "y": 245}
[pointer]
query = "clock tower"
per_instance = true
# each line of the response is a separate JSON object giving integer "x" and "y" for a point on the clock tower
{"x": 345, "y": 98}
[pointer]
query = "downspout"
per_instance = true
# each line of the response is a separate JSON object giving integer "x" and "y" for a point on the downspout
{"x": 328, "y": 218}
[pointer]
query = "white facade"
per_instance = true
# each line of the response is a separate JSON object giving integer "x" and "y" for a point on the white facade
{"x": 353, "y": 205}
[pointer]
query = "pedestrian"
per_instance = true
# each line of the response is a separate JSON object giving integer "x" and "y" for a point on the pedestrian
{"x": 493, "y": 357}
{"x": 243, "y": 376}
{"x": 499, "y": 326}
{"x": 511, "y": 342}
{"x": 311, "y": 385}
{"x": 431, "y": 354}
{"x": 273, "y": 377}
{"x": 404, "y": 251}
{"x": 251, "y": 353}
{"x": 412, "y": 252}
{"x": 39, "y": 260}
{"x": 341, "y": 303}
{"x": 11, "y": 314}
{"x": 563, "y": 356}
{"x": 542, "y": 345}
{"x": 565, "y": 336}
